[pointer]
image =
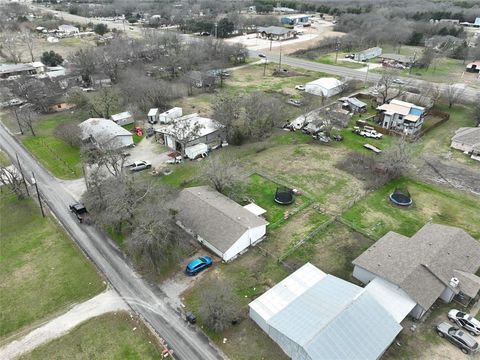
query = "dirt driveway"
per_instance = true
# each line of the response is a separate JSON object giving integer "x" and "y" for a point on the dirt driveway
{"x": 175, "y": 285}
{"x": 148, "y": 149}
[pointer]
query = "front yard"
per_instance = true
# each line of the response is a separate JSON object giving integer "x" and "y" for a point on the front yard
{"x": 111, "y": 336}
{"x": 42, "y": 272}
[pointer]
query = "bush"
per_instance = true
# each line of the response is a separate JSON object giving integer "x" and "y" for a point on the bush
{"x": 51, "y": 58}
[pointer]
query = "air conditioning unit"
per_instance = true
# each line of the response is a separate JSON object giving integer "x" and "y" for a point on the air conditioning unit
{"x": 454, "y": 282}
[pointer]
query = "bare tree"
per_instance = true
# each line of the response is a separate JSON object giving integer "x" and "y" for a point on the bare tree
{"x": 70, "y": 133}
{"x": 104, "y": 102}
{"x": 222, "y": 172}
{"x": 85, "y": 60}
{"x": 29, "y": 40}
{"x": 452, "y": 94}
{"x": 228, "y": 112}
{"x": 155, "y": 238}
{"x": 218, "y": 308}
{"x": 262, "y": 113}
{"x": 185, "y": 131}
{"x": 388, "y": 87}
{"x": 11, "y": 178}
{"x": 476, "y": 113}
{"x": 10, "y": 47}
{"x": 396, "y": 161}
{"x": 101, "y": 157}
{"x": 27, "y": 118}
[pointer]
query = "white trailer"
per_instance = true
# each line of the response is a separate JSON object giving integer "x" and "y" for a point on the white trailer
{"x": 367, "y": 54}
{"x": 192, "y": 152}
{"x": 153, "y": 116}
{"x": 170, "y": 115}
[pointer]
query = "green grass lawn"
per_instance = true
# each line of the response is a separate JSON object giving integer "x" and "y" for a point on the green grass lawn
{"x": 41, "y": 270}
{"x": 376, "y": 215}
{"x": 60, "y": 158}
{"x": 444, "y": 69}
{"x": 262, "y": 191}
{"x": 329, "y": 59}
{"x": 355, "y": 142}
{"x": 4, "y": 159}
{"x": 183, "y": 175}
{"x": 110, "y": 336}
{"x": 332, "y": 250}
{"x": 136, "y": 138}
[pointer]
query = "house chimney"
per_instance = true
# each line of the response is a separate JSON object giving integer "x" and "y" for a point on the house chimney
{"x": 454, "y": 282}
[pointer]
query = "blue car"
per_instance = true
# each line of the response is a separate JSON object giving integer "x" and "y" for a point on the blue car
{"x": 198, "y": 265}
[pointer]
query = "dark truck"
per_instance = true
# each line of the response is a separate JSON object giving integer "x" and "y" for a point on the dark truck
{"x": 80, "y": 212}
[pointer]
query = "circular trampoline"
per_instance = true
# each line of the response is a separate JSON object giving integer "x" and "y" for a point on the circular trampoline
{"x": 284, "y": 196}
{"x": 401, "y": 197}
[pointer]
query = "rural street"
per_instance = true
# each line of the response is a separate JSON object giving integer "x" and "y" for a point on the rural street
{"x": 144, "y": 298}
{"x": 469, "y": 93}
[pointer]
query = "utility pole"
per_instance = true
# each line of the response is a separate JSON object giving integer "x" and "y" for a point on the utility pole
{"x": 216, "y": 30}
{"x": 413, "y": 62}
{"x": 34, "y": 182}
{"x": 18, "y": 120}
{"x": 23, "y": 176}
{"x": 280, "y": 58}
{"x": 366, "y": 75}
{"x": 271, "y": 40}
{"x": 264, "y": 66}
{"x": 337, "y": 47}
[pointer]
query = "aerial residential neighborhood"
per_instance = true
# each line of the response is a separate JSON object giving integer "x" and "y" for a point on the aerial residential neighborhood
{"x": 242, "y": 180}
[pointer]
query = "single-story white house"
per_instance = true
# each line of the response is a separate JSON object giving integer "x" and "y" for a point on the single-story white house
{"x": 190, "y": 130}
{"x": 123, "y": 118}
{"x": 326, "y": 87}
{"x": 312, "y": 315}
{"x": 217, "y": 222}
{"x": 105, "y": 133}
{"x": 438, "y": 262}
{"x": 68, "y": 29}
{"x": 467, "y": 139}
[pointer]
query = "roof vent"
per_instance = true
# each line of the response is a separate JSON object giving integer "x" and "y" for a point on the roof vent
{"x": 454, "y": 282}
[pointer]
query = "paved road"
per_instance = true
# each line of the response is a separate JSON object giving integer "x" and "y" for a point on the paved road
{"x": 469, "y": 93}
{"x": 144, "y": 298}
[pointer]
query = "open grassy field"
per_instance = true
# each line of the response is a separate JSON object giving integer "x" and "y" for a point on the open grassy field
{"x": 41, "y": 271}
{"x": 376, "y": 215}
{"x": 57, "y": 156}
{"x": 329, "y": 59}
{"x": 110, "y": 336}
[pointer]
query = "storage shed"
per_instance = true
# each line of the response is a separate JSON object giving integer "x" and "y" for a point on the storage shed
{"x": 123, "y": 118}
{"x": 314, "y": 315}
{"x": 327, "y": 87}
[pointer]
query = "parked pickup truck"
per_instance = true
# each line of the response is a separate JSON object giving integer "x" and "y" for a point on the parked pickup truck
{"x": 80, "y": 212}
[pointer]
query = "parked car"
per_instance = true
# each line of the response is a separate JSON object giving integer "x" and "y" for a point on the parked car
{"x": 197, "y": 265}
{"x": 300, "y": 87}
{"x": 139, "y": 165}
{"x": 398, "y": 81}
{"x": 458, "y": 337}
{"x": 373, "y": 134}
{"x": 467, "y": 321}
{"x": 262, "y": 55}
{"x": 294, "y": 102}
{"x": 80, "y": 212}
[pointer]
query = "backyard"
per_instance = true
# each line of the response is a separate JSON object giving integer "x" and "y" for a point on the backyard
{"x": 41, "y": 272}
{"x": 111, "y": 336}
{"x": 376, "y": 215}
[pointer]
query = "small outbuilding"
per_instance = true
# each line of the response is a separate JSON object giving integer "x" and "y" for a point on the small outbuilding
{"x": 276, "y": 33}
{"x": 153, "y": 116}
{"x": 218, "y": 222}
{"x": 326, "y": 87}
{"x": 105, "y": 133}
{"x": 367, "y": 54}
{"x": 467, "y": 139}
{"x": 123, "y": 118}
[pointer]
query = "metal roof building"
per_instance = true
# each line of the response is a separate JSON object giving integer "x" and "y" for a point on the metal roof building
{"x": 313, "y": 315}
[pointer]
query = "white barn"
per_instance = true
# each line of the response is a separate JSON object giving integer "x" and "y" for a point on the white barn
{"x": 217, "y": 222}
{"x": 327, "y": 87}
{"x": 312, "y": 315}
{"x": 105, "y": 133}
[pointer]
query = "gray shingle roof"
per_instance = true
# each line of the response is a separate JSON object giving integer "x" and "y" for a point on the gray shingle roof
{"x": 213, "y": 216}
{"x": 424, "y": 264}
